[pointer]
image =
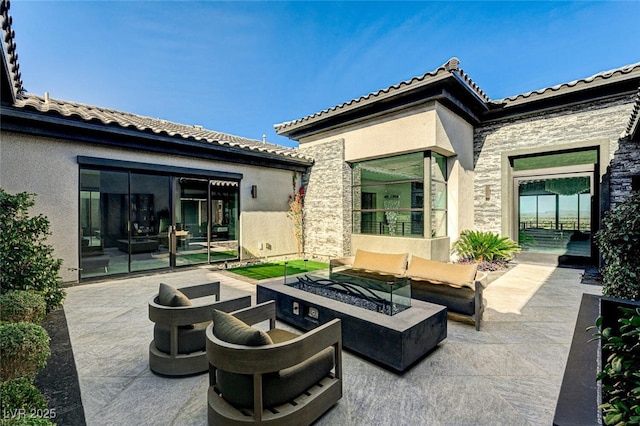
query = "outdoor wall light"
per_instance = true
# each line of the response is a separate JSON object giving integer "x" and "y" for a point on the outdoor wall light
{"x": 487, "y": 192}
{"x": 254, "y": 191}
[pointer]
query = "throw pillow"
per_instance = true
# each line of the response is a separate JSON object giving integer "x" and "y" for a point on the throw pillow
{"x": 385, "y": 263}
{"x": 230, "y": 329}
{"x": 442, "y": 273}
{"x": 169, "y": 296}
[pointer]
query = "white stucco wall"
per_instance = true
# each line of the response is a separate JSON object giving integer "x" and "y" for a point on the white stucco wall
{"x": 49, "y": 168}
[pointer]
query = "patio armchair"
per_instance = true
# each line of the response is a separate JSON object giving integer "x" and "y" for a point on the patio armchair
{"x": 272, "y": 378}
{"x": 178, "y": 347}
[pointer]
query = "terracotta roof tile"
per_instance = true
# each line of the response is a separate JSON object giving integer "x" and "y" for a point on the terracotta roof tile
{"x": 158, "y": 126}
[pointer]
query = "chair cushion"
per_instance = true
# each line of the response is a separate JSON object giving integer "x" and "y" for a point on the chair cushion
{"x": 190, "y": 339}
{"x": 277, "y": 388}
{"x": 278, "y": 335}
{"x": 393, "y": 264}
{"x": 436, "y": 272}
{"x": 170, "y": 296}
{"x": 230, "y": 329}
{"x": 459, "y": 300}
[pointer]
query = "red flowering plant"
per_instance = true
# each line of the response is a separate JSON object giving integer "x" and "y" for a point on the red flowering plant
{"x": 296, "y": 205}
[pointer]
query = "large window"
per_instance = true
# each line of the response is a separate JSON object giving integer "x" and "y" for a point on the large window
{"x": 389, "y": 197}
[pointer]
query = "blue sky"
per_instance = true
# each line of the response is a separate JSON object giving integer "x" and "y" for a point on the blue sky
{"x": 241, "y": 67}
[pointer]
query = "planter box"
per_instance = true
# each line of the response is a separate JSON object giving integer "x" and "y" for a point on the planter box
{"x": 580, "y": 392}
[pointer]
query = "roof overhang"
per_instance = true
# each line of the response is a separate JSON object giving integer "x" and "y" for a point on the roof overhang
{"x": 447, "y": 88}
{"x": 606, "y": 85}
{"x": 36, "y": 123}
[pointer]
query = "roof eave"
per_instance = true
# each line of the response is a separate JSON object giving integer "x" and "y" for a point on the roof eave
{"x": 447, "y": 87}
{"x": 41, "y": 124}
{"x": 580, "y": 93}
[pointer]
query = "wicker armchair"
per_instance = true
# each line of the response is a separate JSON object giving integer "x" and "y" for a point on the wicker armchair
{"x": 178, "y": 347}
{"x": 277, "y": 377}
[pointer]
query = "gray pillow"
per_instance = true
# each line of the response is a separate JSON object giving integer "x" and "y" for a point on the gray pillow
{"x": 230, "y": 329}
{"x": 169, "y": 296}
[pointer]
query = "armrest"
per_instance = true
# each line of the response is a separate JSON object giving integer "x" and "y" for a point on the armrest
{"x": 258, "y": 313}
{"x": 202, "y": 290}
{"x": 341, "y": 262}
{"x": 269, "y": 358}
{"x": 481, "y": 279}
{"x": 186, "y": 315}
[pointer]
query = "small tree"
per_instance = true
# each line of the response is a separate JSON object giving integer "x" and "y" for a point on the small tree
{"x": 619, "y": 243}
{"x": 26, "y": 260}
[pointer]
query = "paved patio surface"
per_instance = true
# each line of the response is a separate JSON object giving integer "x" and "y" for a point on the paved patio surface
{"x": 508, "y": 373}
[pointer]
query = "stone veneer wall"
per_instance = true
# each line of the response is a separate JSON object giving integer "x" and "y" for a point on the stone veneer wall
{"x": 625, "y": 164}
{"x": 578, "y": 124}
{"x": 327, "y": 217}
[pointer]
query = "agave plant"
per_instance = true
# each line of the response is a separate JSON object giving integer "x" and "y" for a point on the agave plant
{"x": 484, "y": 246}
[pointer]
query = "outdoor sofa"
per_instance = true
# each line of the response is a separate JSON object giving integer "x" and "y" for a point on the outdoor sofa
{"x": 457, "y": 286}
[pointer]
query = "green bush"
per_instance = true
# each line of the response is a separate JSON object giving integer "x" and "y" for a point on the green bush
{"x": 19, "y": 394}
{"x": 22, "y": 306}
{"x": 484, "y": 246}
{"x": 23, "y": 404}
{"x": 26, "y": 261}
{"x": 620, "y": 373}
{"x": 619, "y": 243}
{"x": 27, "y": 420}
{"x": 25, "y": 348}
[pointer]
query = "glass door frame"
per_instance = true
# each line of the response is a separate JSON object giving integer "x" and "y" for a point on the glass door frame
{"x": 586, "y": 170}
{"x": 176, "y": 205}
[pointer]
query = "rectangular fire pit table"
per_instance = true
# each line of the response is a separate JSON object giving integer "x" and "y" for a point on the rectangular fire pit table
{"x": 394, "y": 341}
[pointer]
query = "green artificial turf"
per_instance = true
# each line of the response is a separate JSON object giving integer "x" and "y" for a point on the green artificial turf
{"x": 276, "y": 269}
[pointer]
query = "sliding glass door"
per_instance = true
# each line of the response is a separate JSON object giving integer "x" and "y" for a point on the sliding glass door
{"x": 132, "y": 222}
{"x": 554, "y": 214}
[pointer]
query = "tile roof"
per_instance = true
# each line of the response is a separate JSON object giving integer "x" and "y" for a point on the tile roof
{"x": 9, "y": 49}
{"x": 633, "y": 128}
{"x": 600, "y": 77}
{"x": 106, "y": 116}
{"x": 451, "y": 67}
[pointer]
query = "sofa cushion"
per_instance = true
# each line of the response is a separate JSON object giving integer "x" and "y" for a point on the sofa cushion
{"x": 190, "y": 339}
{"x": 393, "y": 264}
{"x": 170, "y": 296}
{"x": 455, "y": 275}
{"x": 230, "y": 329}
{"x": 458, "y": 300}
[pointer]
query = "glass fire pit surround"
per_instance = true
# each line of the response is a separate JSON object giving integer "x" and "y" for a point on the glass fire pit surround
{"x": 380, "y": 293}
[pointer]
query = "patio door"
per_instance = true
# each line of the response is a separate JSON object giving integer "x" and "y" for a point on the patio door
{"x": 205, "y": 218}
{"x": 554, "y": 215}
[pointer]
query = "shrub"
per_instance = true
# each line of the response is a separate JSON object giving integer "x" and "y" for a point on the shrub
{"x": 26, "y": 261}
{"x": 25, "y": 348}
{"x": 620, "y": 373}
{"x": 619, "y": 243}
{"x": 22, "y": 306}
{"x": 484, "y": 246}
{"x": 20, "y": 394}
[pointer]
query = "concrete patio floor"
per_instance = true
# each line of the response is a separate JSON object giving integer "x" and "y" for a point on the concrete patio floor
{"x": 508, "y": 373}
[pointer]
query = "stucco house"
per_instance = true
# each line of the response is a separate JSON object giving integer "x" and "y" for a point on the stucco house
{"x": 403, "y": 169}
{"x": 409, "y": 167}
